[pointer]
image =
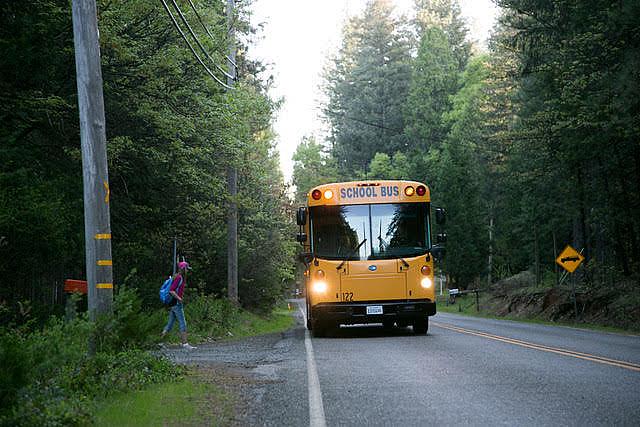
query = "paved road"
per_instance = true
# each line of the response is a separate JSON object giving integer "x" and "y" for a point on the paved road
{"x": 465, "y": 371}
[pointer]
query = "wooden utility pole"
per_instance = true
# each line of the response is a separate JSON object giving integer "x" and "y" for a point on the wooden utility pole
{"x": 97, "y": 228}
{"x": 232, "y": 179}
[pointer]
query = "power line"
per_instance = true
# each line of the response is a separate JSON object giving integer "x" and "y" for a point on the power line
{"x": 193, "y": 34}
{"x": 209, "y": 33}
{"x": 175, "y": 24}
{"x": 364, "y": 122}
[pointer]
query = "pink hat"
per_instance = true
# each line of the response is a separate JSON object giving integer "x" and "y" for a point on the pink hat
{"x": 184, "y": 265}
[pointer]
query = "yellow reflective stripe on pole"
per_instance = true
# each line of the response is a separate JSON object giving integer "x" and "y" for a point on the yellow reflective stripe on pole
{"x": 104, "y": 285}
{"x": 107, "y": 191}
{"x": 103, "y": 236}
{"x": 105, "y": 262}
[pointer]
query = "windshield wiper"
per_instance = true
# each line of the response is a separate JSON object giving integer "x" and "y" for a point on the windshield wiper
{"x": 351, "y": 254}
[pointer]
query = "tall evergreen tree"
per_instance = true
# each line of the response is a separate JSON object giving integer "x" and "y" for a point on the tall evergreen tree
{"x": 446, "y": 15}
{"x": 366, "y": 86}
{"x": 433, "y": 81}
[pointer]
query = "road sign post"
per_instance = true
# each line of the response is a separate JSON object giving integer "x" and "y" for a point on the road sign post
{"x": 570, "y": 260}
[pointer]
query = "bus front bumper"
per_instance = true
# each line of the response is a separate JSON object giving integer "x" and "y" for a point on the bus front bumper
{"x": 349, "y": 313}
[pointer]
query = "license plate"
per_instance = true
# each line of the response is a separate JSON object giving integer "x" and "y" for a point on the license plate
{"x": 374, "y": 309}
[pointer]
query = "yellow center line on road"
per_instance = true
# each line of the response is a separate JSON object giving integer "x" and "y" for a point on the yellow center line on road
{"x": 585, "y": 356}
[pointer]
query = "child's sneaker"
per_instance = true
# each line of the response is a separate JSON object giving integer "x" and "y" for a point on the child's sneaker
{"x": 188, "y": 346}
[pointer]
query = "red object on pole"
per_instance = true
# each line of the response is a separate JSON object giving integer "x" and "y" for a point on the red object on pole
{"x": 72, "y": 285}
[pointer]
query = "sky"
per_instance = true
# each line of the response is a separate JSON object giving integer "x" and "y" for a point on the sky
{"x": 297, "y": 38}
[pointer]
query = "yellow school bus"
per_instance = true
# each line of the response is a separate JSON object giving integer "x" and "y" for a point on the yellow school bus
{"x": 368, "y": 254}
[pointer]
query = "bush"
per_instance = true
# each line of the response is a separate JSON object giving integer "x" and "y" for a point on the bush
{"x": 129, "y": 327}
{"x": 27, "y": 357}
{"x": 15, "y": 360}
{"x": 66, "y": 398}
{"x": 210, "y": 317}
{"x": 48, "y": 378}
{"x": 47, "y": 404}
{"x": 107, "y": 373}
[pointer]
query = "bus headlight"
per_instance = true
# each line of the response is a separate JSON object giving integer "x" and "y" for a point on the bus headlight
{"x": 319, "y": 287}
{"x": 426, "y": 283}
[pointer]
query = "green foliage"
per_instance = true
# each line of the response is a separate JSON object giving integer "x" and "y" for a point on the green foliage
{"x": 573, "y": 152}
{"x": 446, "y": 16}
{"x": 535, "y": 141}
{"x": 311, "y": 167}
{"x": 109, "y": 373}
{"x": 49, "y": 378}
{"x": 211, "y": 317}
{"x": 433, "y": 81}
{"x": 384, "y": 167}
{"x": 66, "y": 397}
{"x": 15, "y": 357}
{"x": 366, "y": 86}
{"x": 185, "y": 398}
{"x": 172, "y": 133}
{"x": 129, "y": 327}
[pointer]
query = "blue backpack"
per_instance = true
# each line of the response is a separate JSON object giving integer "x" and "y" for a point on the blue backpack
{"x": 165, "y": 296}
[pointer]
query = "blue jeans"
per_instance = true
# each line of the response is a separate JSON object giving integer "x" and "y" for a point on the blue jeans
{"x": 176, "y": 313}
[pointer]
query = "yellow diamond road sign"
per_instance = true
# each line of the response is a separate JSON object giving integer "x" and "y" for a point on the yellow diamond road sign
{"x": 569, "y": 259}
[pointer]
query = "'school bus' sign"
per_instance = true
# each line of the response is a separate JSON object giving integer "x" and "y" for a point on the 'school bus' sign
{"x": 353, "y": 193}
{"x": 369, "y": 192}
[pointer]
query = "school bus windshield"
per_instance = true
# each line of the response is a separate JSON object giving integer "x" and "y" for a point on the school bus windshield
{"x": 391, "y": 230}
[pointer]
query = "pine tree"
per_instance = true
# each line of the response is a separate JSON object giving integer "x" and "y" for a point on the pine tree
{"x": 366, "y": 86}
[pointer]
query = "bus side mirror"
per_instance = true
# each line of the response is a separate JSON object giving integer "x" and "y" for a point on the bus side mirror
{"x": 438, "y": 252}
{"x": 441, "y": 216}
{"x": 441, "y": 238}
{"x": 301, "y": 237}
{"x": 301, "y": 216}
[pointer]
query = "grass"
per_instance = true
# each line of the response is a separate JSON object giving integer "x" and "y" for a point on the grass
{"x": 463, "y": 305}
{"x": 246, "y": 324}
{"x": 205, "y": 325}
{"x": 173, "y": 403}
{"x": 251, "y": 324}
{"x": 192, "y": 400}
{"x": 467, "y": 306}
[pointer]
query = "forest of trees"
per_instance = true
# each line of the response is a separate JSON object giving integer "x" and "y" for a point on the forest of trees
{"x": 535, "y": 141}
{"x": 172, "y": 132}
